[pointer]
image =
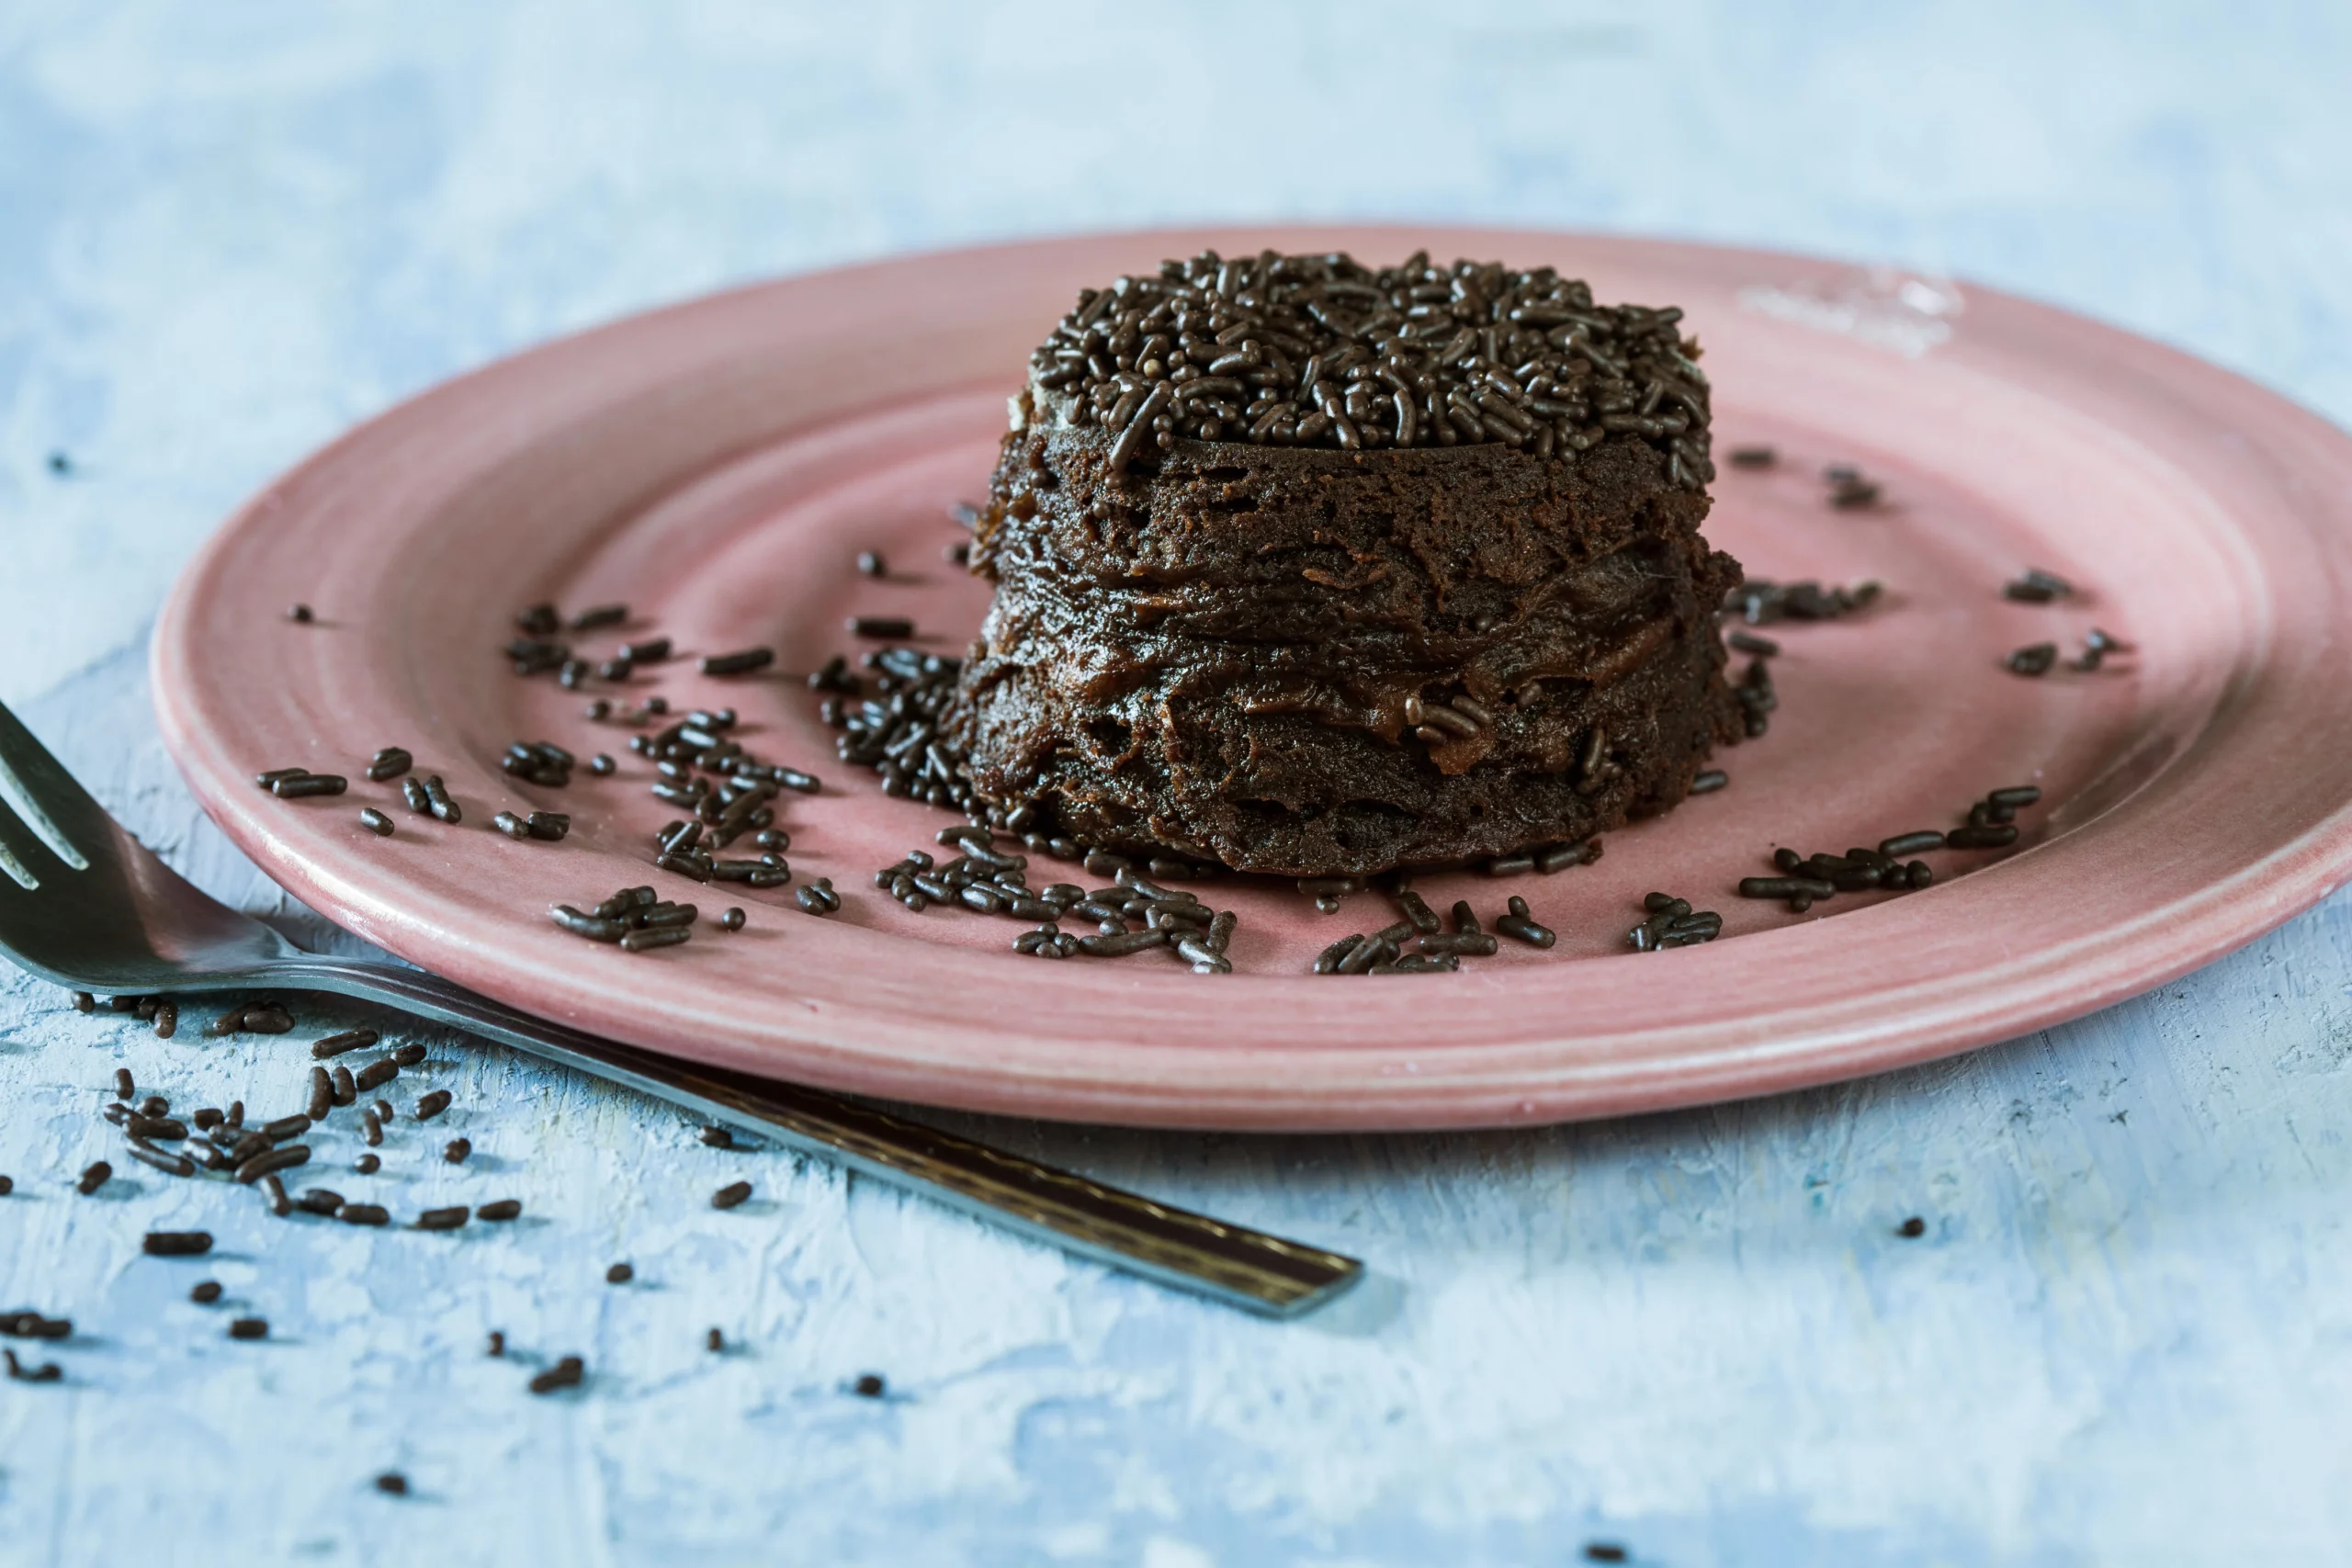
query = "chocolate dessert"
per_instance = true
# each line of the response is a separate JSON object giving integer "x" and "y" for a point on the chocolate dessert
{"x": 1311, "y": 569}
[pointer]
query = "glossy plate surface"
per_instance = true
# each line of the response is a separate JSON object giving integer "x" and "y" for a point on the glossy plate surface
{"x": 718, "y": 465}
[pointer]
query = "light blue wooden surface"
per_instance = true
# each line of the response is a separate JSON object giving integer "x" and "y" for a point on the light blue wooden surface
{"x": 228, "y": 230}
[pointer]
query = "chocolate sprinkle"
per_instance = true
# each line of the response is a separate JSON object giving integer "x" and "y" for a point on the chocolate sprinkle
{"x": 2037, "y": 587}
{"x": 1520, "y": 927}
{"x": 741, "y": 663}
{"x": 2035, "y": 659}
{"x": 273, "y": 1160}
{"x": 177, "y": 1243}
{"x": 437, "y": 801}
{"x": 1853, "y": 491}
{"x": 658, "y": 936}
{"x": 310, "y": 784}
{"x": 1904, "y": 844}
{"x": 565, "y": 1373}
{"x": 169, "y": 1164}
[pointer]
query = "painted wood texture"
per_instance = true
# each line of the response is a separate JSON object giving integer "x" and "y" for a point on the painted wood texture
{"x": 2124, "y": 1337}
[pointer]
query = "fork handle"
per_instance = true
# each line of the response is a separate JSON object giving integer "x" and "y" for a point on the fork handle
{"x": 1247, "y": 1269}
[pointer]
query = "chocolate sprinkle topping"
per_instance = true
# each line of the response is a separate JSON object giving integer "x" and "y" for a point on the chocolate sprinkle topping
{"x": 1322, "y": 351}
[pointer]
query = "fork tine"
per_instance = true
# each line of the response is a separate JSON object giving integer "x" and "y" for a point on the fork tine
{"x": 53, "y": 798}
{"x": 14, "y": 875}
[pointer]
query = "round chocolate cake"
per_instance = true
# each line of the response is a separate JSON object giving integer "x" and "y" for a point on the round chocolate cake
{"x": 1311, "y": 569}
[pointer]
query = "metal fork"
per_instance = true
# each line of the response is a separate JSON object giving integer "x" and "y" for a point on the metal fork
{"x": 85, "y": 906}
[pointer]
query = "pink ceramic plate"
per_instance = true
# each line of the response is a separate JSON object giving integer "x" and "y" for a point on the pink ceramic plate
{"x": 717, "y": 466}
